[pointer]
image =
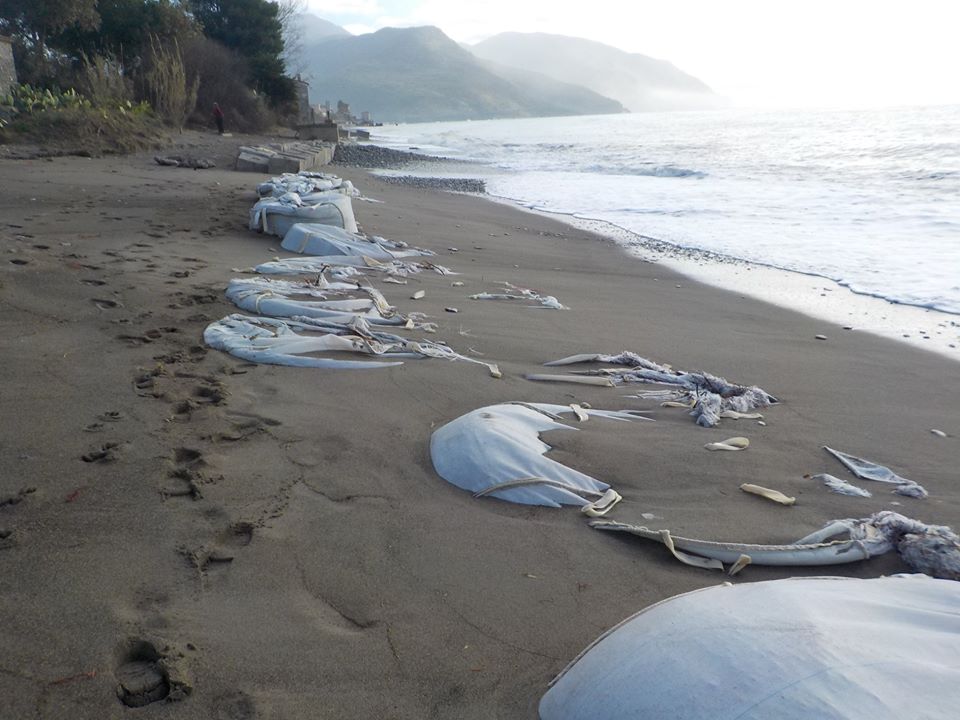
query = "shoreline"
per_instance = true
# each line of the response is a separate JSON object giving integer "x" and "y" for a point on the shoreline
{"x": 922, "y": 327}
{"x": 279, "y": 534}
{"x": 812, "y": 294}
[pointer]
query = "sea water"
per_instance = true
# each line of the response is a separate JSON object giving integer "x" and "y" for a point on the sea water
{"x": 851, "y": 203}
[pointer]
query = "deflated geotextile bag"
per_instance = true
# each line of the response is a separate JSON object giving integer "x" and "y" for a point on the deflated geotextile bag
{"x": 275, "y": 216}
{"x": 497, "y": 451}
{"x": 318, "y": 239}
{"x": 794, "y": 649}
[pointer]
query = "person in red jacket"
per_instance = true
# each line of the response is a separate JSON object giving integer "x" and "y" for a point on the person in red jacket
{"x": 218, "y": 117}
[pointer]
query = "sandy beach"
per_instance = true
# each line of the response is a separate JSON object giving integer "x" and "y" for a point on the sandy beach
{"x": 278, "y": 536}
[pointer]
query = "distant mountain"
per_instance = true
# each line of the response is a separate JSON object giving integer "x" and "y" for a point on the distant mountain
{"x": 637, "y": 81}
{"x": 313, "y": 28}
{"x": 565, "y": 97}
{"x": 419, "y": 74}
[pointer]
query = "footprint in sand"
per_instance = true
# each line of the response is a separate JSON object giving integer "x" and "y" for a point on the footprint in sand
{"x": 223, "y": 551}
{"x": 188, "y": 457}
{"x": 245, "y": 425}
{"x": 145, "y": 384}
{"x": 194, "y": 353}
{"x": 17, "y": 497}
{"x": 183, "y": 410}
{"x": 185, "y": 479}
{"x": 148, "y": 337}
{"x": 183, "y": 482}
{"x": 106, "y": 303}
{"x": 106, "y": 453}
{"x": 235, "y": 706}
{"x": 6, "y": 539}
{"x": 143, "y": 676}
{"x": 211, "y": 391}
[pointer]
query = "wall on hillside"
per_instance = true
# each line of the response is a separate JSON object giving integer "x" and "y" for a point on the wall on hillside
{"x": 8, "y": 73}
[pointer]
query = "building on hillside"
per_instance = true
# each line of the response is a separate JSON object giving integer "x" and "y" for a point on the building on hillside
{"x": 343, "y": 116}
{"x": 8, "y": 71}
{"x": 320, "y": 125}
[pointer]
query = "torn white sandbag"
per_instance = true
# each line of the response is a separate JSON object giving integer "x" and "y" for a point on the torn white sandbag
{"x": 277, "y": 342}
{"x": 841, "y": 487}
{"x": 305, "y": 183}
{"x": 497, "y": 451}
{"x": 792, "y": 649}
{"x": 524, "y": 294}
{"x": 867, "y": 470}
{"x": 709, "y": 395}
{"x": 353, "y": 264}
{"x": 284, "y": 299}
{"x": 713, "y": 555}
{"x": 318, "y": 239}
{"x": 933, "y": 549}
{"x": 276, "y": 215}
{"x": 930, "y": 549}
{"x": 290, "y": 342}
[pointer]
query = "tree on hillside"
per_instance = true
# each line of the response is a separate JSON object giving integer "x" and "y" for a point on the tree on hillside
{"x": 253, "y": 29}
{"x": 34, "y": 21}
{"x": 289, "y": 13}
{"x": 126, "y": 28}
{"x": 34, "y": 24}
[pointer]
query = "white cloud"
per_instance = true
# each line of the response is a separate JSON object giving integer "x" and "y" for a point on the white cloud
{"x": 323, "y": 8}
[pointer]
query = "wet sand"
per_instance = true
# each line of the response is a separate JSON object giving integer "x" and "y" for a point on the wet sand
{"x": 278, "y": 536}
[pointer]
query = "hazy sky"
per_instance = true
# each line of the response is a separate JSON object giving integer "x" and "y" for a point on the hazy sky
{"x": 756, "y": 52}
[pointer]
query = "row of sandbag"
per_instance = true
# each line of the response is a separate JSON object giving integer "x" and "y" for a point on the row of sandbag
{"x": 298, "y": 320}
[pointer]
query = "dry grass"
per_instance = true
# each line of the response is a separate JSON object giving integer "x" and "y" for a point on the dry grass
{"x": 168, "y": 88}
{"x": 90, "y": 132}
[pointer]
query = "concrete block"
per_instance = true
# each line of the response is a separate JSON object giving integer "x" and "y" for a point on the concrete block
{"x": 286, "y": 163}
{"x": 253, "y": 162}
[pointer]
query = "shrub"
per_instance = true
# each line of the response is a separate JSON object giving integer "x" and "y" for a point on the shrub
{"x": 28, "y": 100}
{"x": 167, "y": 85}
{"x": 102, "y": 81}
{"x": 224, "y": 75}
{"x": 68, "y": 123}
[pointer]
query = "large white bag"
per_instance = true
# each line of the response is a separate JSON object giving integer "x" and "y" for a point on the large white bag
{"x": 276, "y": 216}
{"x": 795, "y": 649}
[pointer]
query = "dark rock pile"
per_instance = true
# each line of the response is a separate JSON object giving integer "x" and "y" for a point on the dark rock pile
{"x": 464, "y": 185}
{"x": 373, "y": 156}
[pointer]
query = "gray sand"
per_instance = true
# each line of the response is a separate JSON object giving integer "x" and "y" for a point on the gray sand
{"x": 274, "y": 543}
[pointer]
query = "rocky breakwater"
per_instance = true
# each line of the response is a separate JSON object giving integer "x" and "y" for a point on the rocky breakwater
{"x": 463, "y": 185}
{"x": 382, "y": 158}
{"x": 374, "y": 156}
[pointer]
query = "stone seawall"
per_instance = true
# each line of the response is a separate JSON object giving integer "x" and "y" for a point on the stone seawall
{"x": 8, "y": 71}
